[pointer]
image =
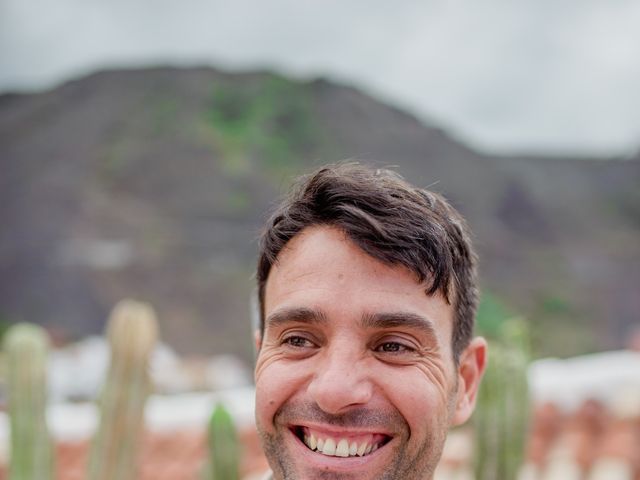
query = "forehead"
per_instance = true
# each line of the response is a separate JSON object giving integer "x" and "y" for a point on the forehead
{"x": 321, "y": 269}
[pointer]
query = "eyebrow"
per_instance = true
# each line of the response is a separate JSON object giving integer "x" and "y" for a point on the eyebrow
{"x": 385, "y": 320}
{"x": 296, "y": 314}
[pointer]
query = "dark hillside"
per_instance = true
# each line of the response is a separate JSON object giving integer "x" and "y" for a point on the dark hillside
{"x": 154, "y": 183}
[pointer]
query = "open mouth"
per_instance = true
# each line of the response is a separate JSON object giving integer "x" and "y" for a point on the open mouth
{"x": 337, "y": 445}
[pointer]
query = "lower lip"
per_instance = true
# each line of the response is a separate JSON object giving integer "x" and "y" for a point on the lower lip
{"x": 342, "y": 464}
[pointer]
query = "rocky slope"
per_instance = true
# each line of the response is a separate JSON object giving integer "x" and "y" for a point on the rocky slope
{"x": 154, "y": 183}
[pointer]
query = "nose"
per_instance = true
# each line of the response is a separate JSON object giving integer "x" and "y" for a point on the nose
{"x": 341, "y": 380}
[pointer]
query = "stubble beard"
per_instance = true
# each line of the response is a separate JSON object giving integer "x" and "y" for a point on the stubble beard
{"x": 419, "y": 465}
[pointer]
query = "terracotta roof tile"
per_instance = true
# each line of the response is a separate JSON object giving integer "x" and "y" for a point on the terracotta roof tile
{"x": 164, "y": 456}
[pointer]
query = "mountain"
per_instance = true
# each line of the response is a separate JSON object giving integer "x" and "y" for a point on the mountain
{"x": 154, "y": 184}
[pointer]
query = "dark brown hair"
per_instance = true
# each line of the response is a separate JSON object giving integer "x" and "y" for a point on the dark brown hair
{"x": 388, "y": 219}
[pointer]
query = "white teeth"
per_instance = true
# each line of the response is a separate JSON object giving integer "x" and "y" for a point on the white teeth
{"x": 353, "y": 449}
{"x": 361, "y": 449}
{"x": 329, "y": 447}
{"x": 342, "y": 450}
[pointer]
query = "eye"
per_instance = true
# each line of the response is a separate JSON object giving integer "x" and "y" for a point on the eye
{"x": 296, "y": 341}
{"x": 393, "y": 347}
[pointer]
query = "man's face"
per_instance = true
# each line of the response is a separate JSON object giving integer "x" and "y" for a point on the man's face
{"x": 355, "y": 377}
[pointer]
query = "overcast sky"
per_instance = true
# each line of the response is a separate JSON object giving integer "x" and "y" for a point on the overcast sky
{"x": 556, "y": 76}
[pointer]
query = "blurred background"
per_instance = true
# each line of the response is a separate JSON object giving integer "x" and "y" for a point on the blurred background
{"x": 143, "y": 143}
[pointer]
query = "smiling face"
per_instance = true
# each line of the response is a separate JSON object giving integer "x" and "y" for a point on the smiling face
{"x": 355, "y": 377}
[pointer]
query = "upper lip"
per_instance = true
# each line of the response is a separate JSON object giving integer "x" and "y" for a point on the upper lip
{"x": 332, "y": 430}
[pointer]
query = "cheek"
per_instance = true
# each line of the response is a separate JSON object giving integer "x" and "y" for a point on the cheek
{"x": 275, "y": 385}
{"x": 266, "y": 405}
{"x": 418, "y": 400}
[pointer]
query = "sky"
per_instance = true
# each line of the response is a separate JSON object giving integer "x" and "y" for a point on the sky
{"x": 506, "y": 76}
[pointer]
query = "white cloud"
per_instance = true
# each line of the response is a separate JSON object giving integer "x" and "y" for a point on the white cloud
{"x": 535, "y": 75}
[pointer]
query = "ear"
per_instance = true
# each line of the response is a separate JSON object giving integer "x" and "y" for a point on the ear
{"x": 473, "y": 361}
{"x": 257, "y": 339}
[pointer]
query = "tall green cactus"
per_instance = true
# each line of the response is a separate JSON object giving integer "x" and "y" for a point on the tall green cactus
{"x": 26, "y": 347}
{"x": 224, "y": 448}
{"x": 501, "y": 417}
{"x": 132, "y": 333}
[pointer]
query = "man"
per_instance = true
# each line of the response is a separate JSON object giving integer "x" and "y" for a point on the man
{"x": 367, "y": 292}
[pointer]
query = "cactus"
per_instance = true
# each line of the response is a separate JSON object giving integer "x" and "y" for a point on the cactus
{"x": 132, "y": 334}
{"x": 26, "y": 348}
{"x": 501, "y": 419}
{"x": 224, "y": 449}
